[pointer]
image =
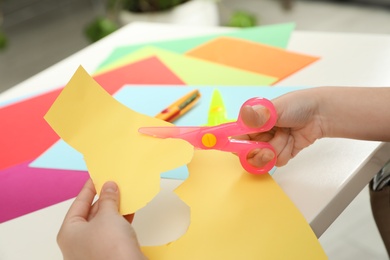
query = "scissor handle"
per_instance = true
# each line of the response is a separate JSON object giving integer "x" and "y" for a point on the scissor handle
{"x": 271, "y": 121}
{"x": 243, "y": 154}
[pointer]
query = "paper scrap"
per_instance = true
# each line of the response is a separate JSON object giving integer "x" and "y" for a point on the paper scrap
{"x": 106, "y": 133}
{"x": 217, "y": 111}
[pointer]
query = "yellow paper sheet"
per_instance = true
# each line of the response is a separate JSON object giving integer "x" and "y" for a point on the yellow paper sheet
{"x": 106, "y": 133}
{"x": 236, "y": 215}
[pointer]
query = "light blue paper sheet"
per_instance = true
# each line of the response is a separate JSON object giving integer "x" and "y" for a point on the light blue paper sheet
{"x": 150, "y": 100}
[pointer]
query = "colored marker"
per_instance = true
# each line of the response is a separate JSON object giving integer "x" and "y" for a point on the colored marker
{"x": 179, "y": 107}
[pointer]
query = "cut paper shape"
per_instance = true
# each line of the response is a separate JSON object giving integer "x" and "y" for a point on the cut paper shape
{"x": 106, "y": 133}
{"x": 24, "y": 133}
{"x": 63, "y": 156}
{"x": 236, "y": 215}
{"x": 250, "y": 56}
{"x": 217, "y": 112}
{"x": 194, "y": 71}
{"x": 276, "y": 35}
{"x": 25, "y": 189}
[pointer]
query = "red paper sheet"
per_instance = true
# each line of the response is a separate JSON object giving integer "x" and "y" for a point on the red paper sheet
{"x": 24, "y": 134}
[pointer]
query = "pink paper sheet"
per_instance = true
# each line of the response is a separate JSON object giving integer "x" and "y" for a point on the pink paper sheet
{"x": 24, "y": 190}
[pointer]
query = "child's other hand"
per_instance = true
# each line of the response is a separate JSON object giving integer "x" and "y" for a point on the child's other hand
{"x": 98, "y": 231}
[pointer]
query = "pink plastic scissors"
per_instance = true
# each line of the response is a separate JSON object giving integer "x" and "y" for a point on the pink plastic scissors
{"x": 219, "y": 137}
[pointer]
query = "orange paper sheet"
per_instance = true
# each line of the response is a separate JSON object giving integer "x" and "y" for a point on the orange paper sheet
{"x": 237, "y": 215}
{"x": 106, "y": 133}
{"x": 251, "y": 56}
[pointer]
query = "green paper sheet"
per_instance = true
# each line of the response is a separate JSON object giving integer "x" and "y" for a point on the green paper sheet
{"x": 276, "y": 35}
{"x": 195, "y": 71}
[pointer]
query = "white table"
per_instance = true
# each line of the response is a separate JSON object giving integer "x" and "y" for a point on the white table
{"x": 321, "y": 181}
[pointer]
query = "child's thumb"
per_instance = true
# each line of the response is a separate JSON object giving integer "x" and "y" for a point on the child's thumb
{"x": 109, "y": 197}
{"x": 254, "y": 116}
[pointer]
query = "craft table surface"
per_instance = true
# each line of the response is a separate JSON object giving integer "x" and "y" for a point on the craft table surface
{"x": 322, "y": 180}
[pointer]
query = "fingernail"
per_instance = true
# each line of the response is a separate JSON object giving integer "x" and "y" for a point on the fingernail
{"x": 110, "y": 186}
{"x": 262, "y": 110}
{"x": 262, "y": 113}
{"x": 267, "y": 157}
{"x": 251, "y": 118}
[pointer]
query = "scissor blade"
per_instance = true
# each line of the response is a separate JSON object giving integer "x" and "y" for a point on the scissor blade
{"x": 167, "y": 131}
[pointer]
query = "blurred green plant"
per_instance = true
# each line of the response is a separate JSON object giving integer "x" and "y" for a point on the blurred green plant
{"x": 3, "y": 41}
{"x": 104, "y": 25}
{"x": 3, "y": 37}
{"x": 242, "y": 19}
{"x": 142, "y": 6}
{"x": 99, "y": 28}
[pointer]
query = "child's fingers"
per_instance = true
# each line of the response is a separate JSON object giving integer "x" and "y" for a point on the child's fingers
{"x": 109, "y": 198}
{"x": 82, "y": 204}
{"x": 286, "y": 154}
{"x": 260, "y": 157}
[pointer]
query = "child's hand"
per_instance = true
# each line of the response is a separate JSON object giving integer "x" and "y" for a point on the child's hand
{"x": 98, "y": 231}
{"x": 297, "y": 127}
